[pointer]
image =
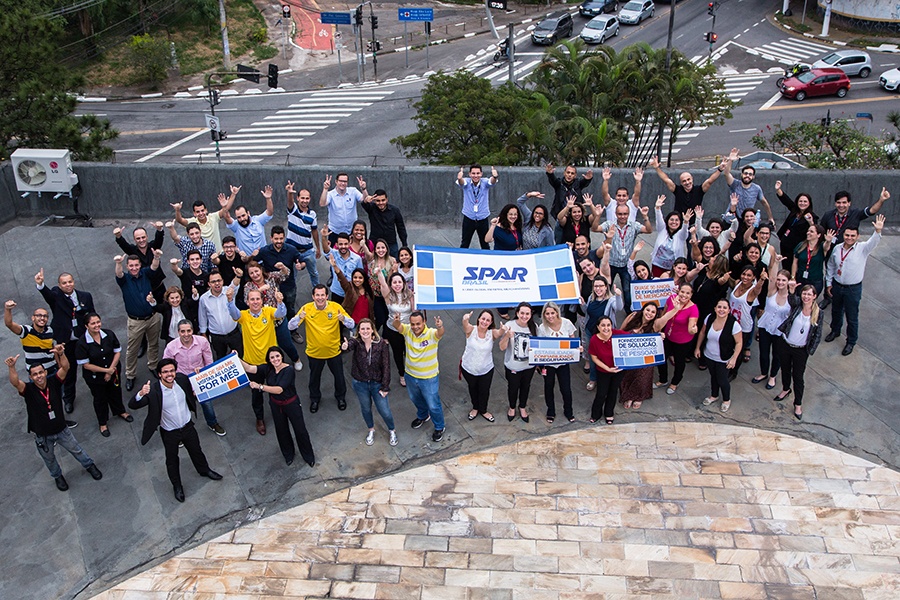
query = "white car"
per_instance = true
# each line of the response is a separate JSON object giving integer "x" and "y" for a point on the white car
{"x": 599, "y": 29}
{"x": 636, "y": 11}
{"x": 890, "y": 80}
{"x": 851, "y": 62}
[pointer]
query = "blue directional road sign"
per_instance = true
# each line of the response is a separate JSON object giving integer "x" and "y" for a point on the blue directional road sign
{"x": 335, "y": 18}
{"x": 415, "y": 14}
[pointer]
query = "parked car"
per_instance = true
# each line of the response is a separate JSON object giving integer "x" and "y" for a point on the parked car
{"x": 636, "y": 11}
{"x": 592, "y": 8}
{"x": 851, "y": 62}
{"x": 550, "y": 30}
{"x": 816, "y": 82}
{"x": 599, "y": 29}
{"x": 890, "y": 80}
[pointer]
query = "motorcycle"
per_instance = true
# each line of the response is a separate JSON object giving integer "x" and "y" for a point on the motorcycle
{"x": 502, "y": 53}
{"x": 792, "y": 72}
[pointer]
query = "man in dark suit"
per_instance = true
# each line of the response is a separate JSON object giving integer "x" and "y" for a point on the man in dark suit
{"x": 69, "y": 306}
{"x": 170, "y": 402}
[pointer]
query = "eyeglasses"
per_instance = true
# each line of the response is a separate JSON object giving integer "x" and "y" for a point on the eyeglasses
{"x": 41, "y": 316}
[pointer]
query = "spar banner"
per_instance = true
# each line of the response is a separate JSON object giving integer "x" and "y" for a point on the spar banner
{"x": 223, "y": 376}
{"x": 638, "y": 350}
{"x": 463, "y": 278}
{"x": 656, "y": 291}
{"x": 553, "y": 351}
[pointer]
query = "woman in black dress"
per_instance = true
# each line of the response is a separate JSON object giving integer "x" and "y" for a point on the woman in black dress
{"x": 793, "y": 231}
{"x": 278, "y": 378}
{"x": 98, "y": 352}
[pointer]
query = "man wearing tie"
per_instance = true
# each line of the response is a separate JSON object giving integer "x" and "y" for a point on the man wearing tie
{"x": 69, "y": 306}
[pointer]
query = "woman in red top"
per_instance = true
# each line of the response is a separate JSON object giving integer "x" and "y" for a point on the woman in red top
{"x": 608, "y": 375}
{"x": 359, "y": 302}
{"x": 680, "y": 326}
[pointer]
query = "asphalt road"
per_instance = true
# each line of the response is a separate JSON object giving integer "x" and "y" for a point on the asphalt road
{"x": 353, "y": 125}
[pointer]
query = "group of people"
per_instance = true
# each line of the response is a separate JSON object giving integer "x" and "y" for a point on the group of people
{"x": 238, "y": 295}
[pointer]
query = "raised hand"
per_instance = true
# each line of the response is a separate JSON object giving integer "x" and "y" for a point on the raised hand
{"x": 638, "y": 173}
{"x": 229, "y": 293}
{"x": 645, "y": 210}
{"x": 778, "y": 186}
{"x": 494, "y": 173}
{"x": 11, "y": 361}
{"x": 660, "y": 201}
{"x": 588, "y": 198}
{"x": 548, "y": 167}
{"x": 238, "y": 273}
{"x": 345, "y": 344}
{"x": 279, "y": 297}
{"x": 118, "y": 258}
{"x": 361, "y": 182}
{"x": 570, "y": 201}
{"x": 688, "y": 214}
{"x": 438, "y": 322}
{"x": 223, "y": 200}
{"x": 734, "y": 201}
{"x": 466, "y": 316}
{"x": 170, "y": 224}
{"x": 734, "y": 155}
{"x": 173, "y": 261}
{"x": 607, "y": 173}
{"x": 117, "y": 231}
{"x": 289, "y": 188}
{"x": 267, "y": 192}
{"x": 176, "y": 206}
{"x": 302, "y": 313}
{"x": 830, "y": 234}
{"x": 885, "y": 195}
{"x": 11, "y": 304}
{"x": 538, "y": 195}
{"x": 879, "y": 223}
{"x": 699, "y": 212}
{"x": 654, "y": 162}
{"x": 39, "y": 277}
{"x": 145, "y": 389}
{"x": 327, "y": 183}
{"x": 640, "y": 245}
{"x": 235, "y": 189}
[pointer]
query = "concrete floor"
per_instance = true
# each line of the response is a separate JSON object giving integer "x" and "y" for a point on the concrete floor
{"x": 97, "y": 534}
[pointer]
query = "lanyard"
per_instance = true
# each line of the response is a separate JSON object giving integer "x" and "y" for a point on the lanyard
{"x": 623, "y": 233}
{"x": 808, "y": 256}
{"x": 45, "y": 394}
{"x": 844, "y": 255}
{"x": 515, "y": 234}
{"x": 840, "y": 223}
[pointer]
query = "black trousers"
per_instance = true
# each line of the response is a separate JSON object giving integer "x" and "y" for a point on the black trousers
{"x": 398, "y": 348}
{"x": 606, "y": 395}
{"x": 223, "y": 344}
{"x": 381, "y": 312}
{"x": 678, "y": 352}
{"x": 471, "y": 226}
{"x": 562, "y": 374}
{"x": 336, "y": 366}
{"x": 793, "y": 367}
{"x": 71, "y": 375}
{"x": 479, "y": 389}
{"x": 285, "y": 417}
{"x": 188, "y": 436}
{"x": 107, "y": 396}
{"x": 519, "y": 384}
{"x": 718, "y": 379}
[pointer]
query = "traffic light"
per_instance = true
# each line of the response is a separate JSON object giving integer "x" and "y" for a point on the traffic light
{"x": 373, "y": 46}
{"x": 712, "y": 9}
{"x": 214, "y": 97}
{"x": 374, "y": 21}
{"x": 711, "y": 37}
{"x": 358, "y": 17}
{"x": 286, "y": 11}
{"x": 273, "y": 76}
{"x": 218, "y": 136}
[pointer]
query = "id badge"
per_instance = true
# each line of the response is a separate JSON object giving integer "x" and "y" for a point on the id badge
{"x": 51, "y": 415}
{"x": 805, "y": 274}
{"x": 475, "y": 208}
{"x": 838, "y": 271}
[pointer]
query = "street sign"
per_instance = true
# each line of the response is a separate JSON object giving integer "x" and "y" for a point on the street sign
{"x": 497, "y": 4}
{"x": 415, "y": 14}
{"x": 335, "y": 18}
{"x": 212, "y": 122}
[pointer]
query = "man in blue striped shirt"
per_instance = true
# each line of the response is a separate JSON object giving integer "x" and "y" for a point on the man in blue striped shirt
{"x": 303, "y": 230}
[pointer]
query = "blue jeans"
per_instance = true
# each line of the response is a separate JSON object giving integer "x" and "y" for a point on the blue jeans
{"x": 46, "y": 448}
{"x": 367, "y": 392}
{"x": 846, "y": 299}
{"x": 309, "y": 259}
{"x": 209, "y": 413}
{"x": 283, "y": 337}
{"x": 424, "y": 394}
{"x": 625, "y": 279}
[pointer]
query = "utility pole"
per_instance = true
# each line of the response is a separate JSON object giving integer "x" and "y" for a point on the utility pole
{"x": 490, "y": 19}
{"x": 357, "y": 41}
{"x": 223, "y": 23}
{"x": 374, "y": 21}
{"x": 511, "y": 48}
{"x": 659, "y": 140}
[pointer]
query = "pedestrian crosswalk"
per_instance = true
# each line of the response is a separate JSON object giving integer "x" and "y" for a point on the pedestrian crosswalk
{"x": 789, "y": 51}
{"x": 275, "y": 133}
{"x": 736, "y": 87}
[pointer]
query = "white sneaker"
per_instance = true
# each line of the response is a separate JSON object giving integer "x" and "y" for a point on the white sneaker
{"x": 298, "y": 366}
{"x": 370, "y": 439}
{"x": 393, "y": 441}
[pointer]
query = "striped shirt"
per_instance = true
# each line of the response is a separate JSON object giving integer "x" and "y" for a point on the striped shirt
{"x": 300, "y": 228}
{"x": 37, "y": 346}
{"x": 421, "y": 352}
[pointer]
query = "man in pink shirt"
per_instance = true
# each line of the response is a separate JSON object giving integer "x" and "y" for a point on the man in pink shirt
{"x": 192, "y": 353}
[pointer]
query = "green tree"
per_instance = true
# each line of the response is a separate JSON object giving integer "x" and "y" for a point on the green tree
{"x": 462, "y": 119}
{"x": 37, "y": 94}
{"x": 840, "y": 144}
{"x": 149, "y": 58}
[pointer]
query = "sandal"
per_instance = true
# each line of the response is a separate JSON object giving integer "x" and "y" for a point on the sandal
{"x": 550, "y": 419}
{"x": 726, "y": 406}
{"x": 636, "y": 404}
{"x": 402, "y": 381}
{"x": 627, "y": 404}
{"x": 609, "y": 420}
{"x": 746, "y": 356}
{"x": 571, "y": 419}
{"x": 591, "y": 385}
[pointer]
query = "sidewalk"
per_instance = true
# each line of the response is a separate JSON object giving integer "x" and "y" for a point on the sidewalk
{"x": 78, "y": 543}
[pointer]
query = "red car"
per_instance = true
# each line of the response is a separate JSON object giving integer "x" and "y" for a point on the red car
{"x": 816, "y": 82}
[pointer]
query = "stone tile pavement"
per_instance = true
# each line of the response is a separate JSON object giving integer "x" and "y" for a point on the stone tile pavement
{"x": 651, "y": 511}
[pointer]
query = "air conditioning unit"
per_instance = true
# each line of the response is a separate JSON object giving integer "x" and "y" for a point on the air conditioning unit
{"x": 43, "y": 171}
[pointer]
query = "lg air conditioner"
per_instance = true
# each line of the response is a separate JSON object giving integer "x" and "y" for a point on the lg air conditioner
{"x": 43, "y": 171}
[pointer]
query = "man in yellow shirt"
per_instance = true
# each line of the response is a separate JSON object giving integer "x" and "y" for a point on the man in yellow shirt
{"x": 323, "y": 344}
{"x": 258, "y": 331}
{"x": 422, "y": 370}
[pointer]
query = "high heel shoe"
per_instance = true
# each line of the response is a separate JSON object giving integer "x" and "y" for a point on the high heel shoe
{"x": 781, "y": 398}
{"x": 524, "y": 415}
{"x": 510, "y": 417}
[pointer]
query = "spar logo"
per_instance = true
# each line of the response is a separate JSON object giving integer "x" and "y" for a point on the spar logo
{"x": 476, "y": 275}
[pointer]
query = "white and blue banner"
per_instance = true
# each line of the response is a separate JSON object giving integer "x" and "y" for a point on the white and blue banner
{"x": 638, "y": 350}
{"x": 654, "y": 291}
{"x": 223, "y": 376}
{"x": 553, "y": 350}
{"x": 463, "y": 278}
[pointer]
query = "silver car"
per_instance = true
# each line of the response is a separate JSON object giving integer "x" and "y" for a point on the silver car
{"x": 851, "y": 62}
{"x": 636, "y": 11}
{"x": 890, "y": 80}
{"x": 599, "y": 29}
